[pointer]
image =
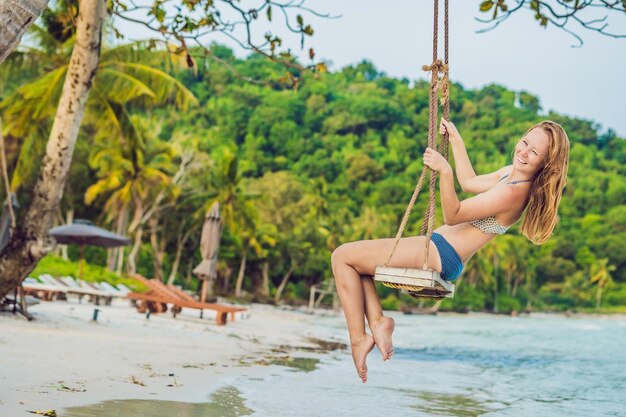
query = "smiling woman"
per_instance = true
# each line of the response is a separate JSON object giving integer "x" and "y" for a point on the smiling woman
{"x": 534, "y": 184}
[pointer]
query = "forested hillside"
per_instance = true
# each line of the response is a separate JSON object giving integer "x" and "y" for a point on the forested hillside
{"x": 299, "y": 171}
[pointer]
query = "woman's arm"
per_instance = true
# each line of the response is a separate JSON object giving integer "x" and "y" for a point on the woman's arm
{"x": 490, "y": 203}
{"x": 468, "y": 180}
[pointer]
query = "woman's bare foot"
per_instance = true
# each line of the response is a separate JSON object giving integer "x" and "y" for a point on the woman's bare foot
{"x": 382, "y": 330}
{"x": 360, "y": 349}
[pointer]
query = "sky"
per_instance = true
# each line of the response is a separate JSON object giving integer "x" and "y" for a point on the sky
{"x": 396, "y": 35}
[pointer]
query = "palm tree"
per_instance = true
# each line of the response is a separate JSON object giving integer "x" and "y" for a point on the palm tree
{"x": 129, "y": 177}
{"x": 372, "y": 224}
{"x": 226, "y": 186}
{"x": 494, "y": 251}
{"x": 30, "y": 241}
{"x": 256, "y": 237}
{"x": 129, "y": 77}
{"x": 600, "y": 273}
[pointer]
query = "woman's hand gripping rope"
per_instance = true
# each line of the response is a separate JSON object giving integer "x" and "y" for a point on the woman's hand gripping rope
{"x": 435, "y": 161}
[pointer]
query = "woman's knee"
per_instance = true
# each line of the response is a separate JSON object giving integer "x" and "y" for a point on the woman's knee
{"x": 340, "y": 254}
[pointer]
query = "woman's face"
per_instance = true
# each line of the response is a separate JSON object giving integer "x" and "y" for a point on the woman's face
{"x": 531, "y": 152}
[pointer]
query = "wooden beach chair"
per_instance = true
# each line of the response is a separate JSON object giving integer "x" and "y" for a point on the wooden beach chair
{"x": 159, "y": 295}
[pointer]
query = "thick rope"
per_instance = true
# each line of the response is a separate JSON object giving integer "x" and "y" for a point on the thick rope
{"x": 446, "y": 82}
{"x": 436, "y": 84}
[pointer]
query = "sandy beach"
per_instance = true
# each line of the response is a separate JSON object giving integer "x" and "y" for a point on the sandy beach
{"x": 64, "y": 359}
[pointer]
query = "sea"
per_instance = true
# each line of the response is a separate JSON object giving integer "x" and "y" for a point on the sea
{"x": 538, "y": 365}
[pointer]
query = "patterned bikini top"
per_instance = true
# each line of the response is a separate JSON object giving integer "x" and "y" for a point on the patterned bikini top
{"x": 490, "y": 225}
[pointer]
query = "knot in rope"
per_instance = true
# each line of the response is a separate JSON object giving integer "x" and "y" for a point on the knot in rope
{"x": 439, "y": 82}
{"x": 436, "y": 67}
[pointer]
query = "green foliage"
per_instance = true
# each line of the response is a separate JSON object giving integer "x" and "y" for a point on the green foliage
{"x": 390, "y": 302}
{"x": 615, "y": 295}
{"x": 58, "y": 267}
{"x": 508, "y": 304}
{"x": 466, "y": 298}
{"x": 298, "y": 173}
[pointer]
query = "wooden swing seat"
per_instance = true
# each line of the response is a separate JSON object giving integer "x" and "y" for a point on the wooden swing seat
{"x": 420, "y": 283}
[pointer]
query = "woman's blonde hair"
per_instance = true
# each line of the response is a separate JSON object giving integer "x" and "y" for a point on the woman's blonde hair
{"x": 545, "y": 194}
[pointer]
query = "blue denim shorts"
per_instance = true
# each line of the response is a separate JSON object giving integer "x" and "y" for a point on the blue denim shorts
{"x": 451, "y": 265}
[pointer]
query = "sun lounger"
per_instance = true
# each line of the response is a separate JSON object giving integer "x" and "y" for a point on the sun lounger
{"x": 110, "y": 289}
{"x": 48, "y": 279}
{"x": 160, "y": 295}
{"x": 80, "y": 288}
{"x": 41, "y": 290}
{"x": 123, "y": 289}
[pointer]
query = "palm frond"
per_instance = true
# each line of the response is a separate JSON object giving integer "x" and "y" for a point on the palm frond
{"x": 30, "y": 154}
{"x": 34, "y": 101}
{"x": 122, "y": 87}
{"x": 164, "y": 85}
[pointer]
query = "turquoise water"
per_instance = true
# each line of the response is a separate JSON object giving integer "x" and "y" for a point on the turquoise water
{"x": 444, "y": 366}
{"x": 465, "y": 366}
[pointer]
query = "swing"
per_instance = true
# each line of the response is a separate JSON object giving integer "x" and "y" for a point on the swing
{"x": 425, "y": 283}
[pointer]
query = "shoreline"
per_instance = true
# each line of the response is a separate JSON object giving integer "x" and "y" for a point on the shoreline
{"x": 62, "y": 359}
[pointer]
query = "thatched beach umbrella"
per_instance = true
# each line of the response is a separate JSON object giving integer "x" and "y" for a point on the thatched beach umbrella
{"x": 84, "y": 232}
{"x": 209, "y": 247}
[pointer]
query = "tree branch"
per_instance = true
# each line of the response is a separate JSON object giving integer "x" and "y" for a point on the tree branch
{"x": 560, "y": 13}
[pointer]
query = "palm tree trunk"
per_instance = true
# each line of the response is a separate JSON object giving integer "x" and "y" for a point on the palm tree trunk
{"x": 228, "y": 272}
{"x": 516, "y": 284}
{"x": 240, "y": 275}
{"x": 120, "y": 261}
{"x": 180, "y": 246}
{"x": 131, "y": 266}
{"x": 528, "y": 277}
{"x": 189, "y": 269}
{"x": 30, "y": 241}
{"x": 120, "y": 228}
{"x": 265, "y": 286}
{"x": 509, "y": 281}
{"x": 175, "y": 265}
{"x": 15, "y": 18}
{"x": 283, "y": 283}
{"x": 157, "y": 254}
{"x": 136, "y": 229}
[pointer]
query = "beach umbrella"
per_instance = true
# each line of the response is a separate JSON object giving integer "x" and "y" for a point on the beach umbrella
{"x": 84, "y": 232}
{"x": 209, "y": 247}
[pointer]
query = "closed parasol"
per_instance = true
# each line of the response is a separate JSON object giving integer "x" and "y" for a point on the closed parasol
{"x": 209, "y": 247}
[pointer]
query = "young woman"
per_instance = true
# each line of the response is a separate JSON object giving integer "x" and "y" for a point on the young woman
{"x": 533, "y": 184}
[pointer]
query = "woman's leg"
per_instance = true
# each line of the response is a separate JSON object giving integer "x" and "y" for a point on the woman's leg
{"x": 352, "y": 297}
{"x": 380, "y": 326}
{"x": 352, "y": 260}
